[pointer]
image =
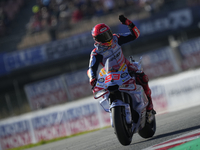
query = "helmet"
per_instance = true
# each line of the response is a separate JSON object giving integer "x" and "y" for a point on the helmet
{"x": 102, "y": 34}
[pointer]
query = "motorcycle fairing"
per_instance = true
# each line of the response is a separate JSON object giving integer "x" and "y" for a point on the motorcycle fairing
{"x": 114, "y": 74}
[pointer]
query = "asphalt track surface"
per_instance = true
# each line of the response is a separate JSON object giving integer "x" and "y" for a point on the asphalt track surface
{"x": 169, "y": 125}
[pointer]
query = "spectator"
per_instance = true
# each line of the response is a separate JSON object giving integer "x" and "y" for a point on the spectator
{"x": 109, "y": 5}
{"x": 52, "y": 27}
{"x": 99, "y": 11}
{"x": 77, "y": 15}
{"x": 193, "y": 2}
{"x": 34, "y": 24}
{"x": 2, "y": 29}
{"x": 4, "y": 18}
{"x": 46, "y": 3}
{"x": 64, "y": 18}
{"x": 8, "y": 11}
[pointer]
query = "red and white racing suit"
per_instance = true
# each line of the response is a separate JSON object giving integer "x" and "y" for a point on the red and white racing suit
{"x": 100, "y": 54}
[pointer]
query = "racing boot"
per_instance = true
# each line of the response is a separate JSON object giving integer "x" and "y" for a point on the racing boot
{"x": 150, "y": 106}
{"x": 150, "y": 111}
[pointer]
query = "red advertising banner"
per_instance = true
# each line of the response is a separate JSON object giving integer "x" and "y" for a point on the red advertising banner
{"x": 159, "y": 62}
{"x": 49, "y": 126}
{"x": 78, "y": 84}
{"x": 15, "y": 134}
{"x": 82, "y": 118}
{"x": 190, "y": 52}
{"x": 159, "y": 98}
{"x": 46, "y": 93}
{"x": 52, "y": 132}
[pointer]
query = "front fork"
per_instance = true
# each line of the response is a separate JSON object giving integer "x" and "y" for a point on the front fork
{"x": 117, "y": 103}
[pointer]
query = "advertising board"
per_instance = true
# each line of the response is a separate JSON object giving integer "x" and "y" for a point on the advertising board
{"x": 15, "y": 134}
{"x": 190, "y": 53}
{"x": 78, "y": 84}
{"x": 159, "y": 97}
{"x": 82, "y": 118}
{"x": 49, "y": 126}
{"x": 159, "y": 62}
{"x": 46, "y": 92}
{"x": 183, "y": 90}
{"x": 69, "y": 47}
{"x": 20, "y": 59}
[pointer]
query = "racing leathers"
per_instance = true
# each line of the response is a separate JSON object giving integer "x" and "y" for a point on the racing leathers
{"x": 100, "y": 54}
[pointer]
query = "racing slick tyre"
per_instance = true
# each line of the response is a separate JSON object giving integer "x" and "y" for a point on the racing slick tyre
{"x": 121, "y": 128}
{"x": 149, "y": 129}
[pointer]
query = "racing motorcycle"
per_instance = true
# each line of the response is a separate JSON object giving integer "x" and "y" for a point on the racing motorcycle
{"x": 126, "y": 101}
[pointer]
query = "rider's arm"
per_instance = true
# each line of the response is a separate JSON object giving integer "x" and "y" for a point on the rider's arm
{"x": 95, "y": 60}
{"x": 134, "y": 31}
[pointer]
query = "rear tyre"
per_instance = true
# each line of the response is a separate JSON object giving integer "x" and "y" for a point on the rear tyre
{"x": 149, "y": 129}
{"x": 122, "y": 130}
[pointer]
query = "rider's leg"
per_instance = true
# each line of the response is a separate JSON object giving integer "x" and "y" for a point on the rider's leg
{"x": 142, "y": 79}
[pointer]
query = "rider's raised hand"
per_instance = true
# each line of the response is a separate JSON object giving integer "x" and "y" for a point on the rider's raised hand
{"x": 124, "y": 20}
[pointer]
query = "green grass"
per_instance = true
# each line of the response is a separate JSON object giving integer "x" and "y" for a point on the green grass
{"x": 53, "y": 140}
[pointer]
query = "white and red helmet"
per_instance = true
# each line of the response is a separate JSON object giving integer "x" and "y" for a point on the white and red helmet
{"x": 102, "y": 34}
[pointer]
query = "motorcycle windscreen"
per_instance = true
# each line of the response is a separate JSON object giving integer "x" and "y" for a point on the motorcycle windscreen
{"x": 111, "y": 65}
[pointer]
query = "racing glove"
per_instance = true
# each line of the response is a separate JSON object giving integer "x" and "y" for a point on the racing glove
{"x": 134, "y": 30}
{"x": 93, "y": 81}
{"x": 124, "y": 20}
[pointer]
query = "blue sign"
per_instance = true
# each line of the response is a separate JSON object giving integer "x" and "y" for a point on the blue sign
{"x": 19, "y": 59}
{"x": 72, "y": 46}
{"x": 2, "y": 66}
{"x": 14, "y": 128}
{"x": 167, "y": 23}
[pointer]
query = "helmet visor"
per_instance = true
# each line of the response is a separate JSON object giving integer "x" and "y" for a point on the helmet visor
{"x": 104, "y": 37}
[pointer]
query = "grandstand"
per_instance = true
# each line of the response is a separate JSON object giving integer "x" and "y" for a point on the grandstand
{"x": 36, "y": 23}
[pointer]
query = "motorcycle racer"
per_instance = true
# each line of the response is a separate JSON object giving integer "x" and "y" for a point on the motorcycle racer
{"x": 108, "y": 45}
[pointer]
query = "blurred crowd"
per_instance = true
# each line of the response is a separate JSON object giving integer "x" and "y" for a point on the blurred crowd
{"x": 193, "y": 2}
{"x": 8, "y": 11}
{"x": 59, "y": 15}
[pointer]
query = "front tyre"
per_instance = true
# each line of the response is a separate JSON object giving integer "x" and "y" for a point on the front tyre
{"x": 122, "y": 130}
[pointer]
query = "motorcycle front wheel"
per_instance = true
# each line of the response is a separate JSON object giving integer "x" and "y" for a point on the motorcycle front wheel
{"x": 122, "y": 129}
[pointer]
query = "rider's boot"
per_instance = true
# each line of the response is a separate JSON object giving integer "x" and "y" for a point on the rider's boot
{"x": 150, "y": 106}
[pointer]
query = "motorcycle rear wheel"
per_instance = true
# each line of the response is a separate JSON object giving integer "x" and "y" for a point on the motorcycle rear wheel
{"x": 149, "y": 129}
{"x": 122, "y": 130}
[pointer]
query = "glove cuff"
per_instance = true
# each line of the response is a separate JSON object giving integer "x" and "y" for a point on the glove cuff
{"x": 131, "y": 24}
{"x": 128, "y": 22}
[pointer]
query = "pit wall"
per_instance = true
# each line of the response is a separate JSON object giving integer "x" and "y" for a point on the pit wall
{"x": 169, "y": 94}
